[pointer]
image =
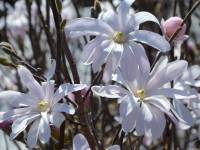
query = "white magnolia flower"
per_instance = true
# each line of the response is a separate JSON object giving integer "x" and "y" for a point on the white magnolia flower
{"x": 188, "y": 82}
{"x": 38, "y": 108}
{"x": 143, "y": 101}
{"x": 116, "y": 35}
{"x": 80, "y": 143}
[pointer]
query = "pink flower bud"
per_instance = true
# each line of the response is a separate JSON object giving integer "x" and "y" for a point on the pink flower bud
{"x": 171, "y": 25}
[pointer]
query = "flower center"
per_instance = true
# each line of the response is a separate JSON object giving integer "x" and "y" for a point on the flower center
{"x": 119, "y": 37}
{"x": 43, "y": 106}
{"x": 140, "y": 94}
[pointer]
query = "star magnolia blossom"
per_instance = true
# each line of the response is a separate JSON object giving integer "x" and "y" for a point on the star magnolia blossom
{"x": 188, "y": 79}
{"x": 143, "y": 101}
{"x": 115, "y": 34}
{"x": 39, "y": 107}
{"x": 80, "y": 143}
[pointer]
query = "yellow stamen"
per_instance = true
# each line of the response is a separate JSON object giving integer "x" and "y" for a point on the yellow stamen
{"x": 119, "y": 37}
{"x": 43, "y": 106}
{"x": 140, "y": 94}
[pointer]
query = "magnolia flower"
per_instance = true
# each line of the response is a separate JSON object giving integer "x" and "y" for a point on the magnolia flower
{"x": 80, "y": 143}
{"x": 171, "y": 25}
{"x": 143, "y": 100}
{"x": 116, "y": 35}
{"x": 38, "y": 108}
{"x": 185, "y": 82}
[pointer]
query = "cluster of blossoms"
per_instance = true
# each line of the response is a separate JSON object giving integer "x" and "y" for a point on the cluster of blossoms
{"x": 144, "y": 92}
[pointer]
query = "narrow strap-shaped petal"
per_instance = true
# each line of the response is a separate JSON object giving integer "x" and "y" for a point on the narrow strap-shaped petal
{"x": 80, "y": 143}
{"x": 141, "y": 58}
{"x": 21, "y": 123}
{"x": 33, "y": 133}
{"x": 67, "y": 108}
{"x": 56, "y": 118}
{"x": 65, "y": 89}
{"x": 51, "y": 70}
{"x": 15, "y": 99}
{"x": 28, "y": 80}
{"x": 48, "y": 88}
{"x": 150, "y": 38}
{"x": 171, "y": 72}
{"x": 109, "y": 91}
{"x": 44, "y": 131}
{"x": 113, "y": 147}
{"x": 89, "y": 50}
{"x": 89, "y": 25}
{"x": 143, "y": 16}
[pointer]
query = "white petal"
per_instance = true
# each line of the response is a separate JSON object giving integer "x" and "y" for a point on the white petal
{"x": 48, "y": 88}
{"x": 21, "y": 123}
{"x": 33, "y": 134}
{"x": 113, "y": 147}
{"x": 129, "y": 121}
{"x": 57, "y": 118}
{"x": 89, "y": 25}
{"x": 141, "y": 58}
{"x": 193, "y": 72}
{"x": 61, "y": 107}
{"x": 152, "y": 39}
{"x": 183, "y": 112}
{"x": 101, "y": 55}
{"x": 89, "y": 50}
{"x": 129, "y": 66}
{"x": 171, "y": 72}
{"x": 111, "y": 18}
{"x": 80, "y": 143}
{"x": 143, "y": 16}
{"x": 158, "y": 123}
{"x": 15, "y": 99}
{"x": 51, "y": 70}
{"x": 109, "y": 91}
{"x": 44, "y": 131}
{"x": 160, "y": 102}
{"x": 111, "y": 65}
{"x": 28, "y": 80}
{"x": 65, "y": 89}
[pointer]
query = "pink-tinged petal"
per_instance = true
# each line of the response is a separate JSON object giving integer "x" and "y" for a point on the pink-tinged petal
{"x": 143, "y": 16}
{"x": 89, "y": 26}
{"x": 89, "y": 50}
{"x": 28, "y": 80}
{"x": 113, "y": 147}
{"x": 65, "y": 89}
{"x": 56, "y": 118}
{"x": 101, "y": 55}
{"x": 150, "y": 38}
{"x": 33, "y": 134}
{"x": 21, "y": 123}
{"x": 140, "y": 124}
{"x": 67, "y": 108}
{"x": 44, "y": 131}
{"x": 141, "y": 59}
{"x": 129, "y": 120}
{"x": 171, "y": 72}
{"x": 15, "y": 99}
{"x": 80, "y": 143}
{"x": 109, "y": 91}
{"x": 183, "y": 112}
{"x": 51, "y": 70}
